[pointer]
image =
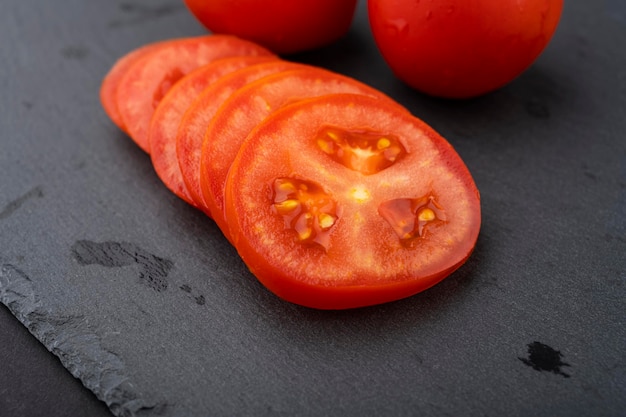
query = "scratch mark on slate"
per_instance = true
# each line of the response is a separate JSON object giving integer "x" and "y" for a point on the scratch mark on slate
{"x": 142, "y": 13}
{"x": 14, "y": 205}
{"x": 543, "y": 358}
{"x": 118, "y": 254}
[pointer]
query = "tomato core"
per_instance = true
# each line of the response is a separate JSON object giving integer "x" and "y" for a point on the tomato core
{"x": 364, "y": 151}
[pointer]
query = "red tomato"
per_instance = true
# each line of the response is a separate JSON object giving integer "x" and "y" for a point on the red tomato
{"x": 346, "y": 200}
{"x": 284, "y": 26}
{"x": 462, "y": 48}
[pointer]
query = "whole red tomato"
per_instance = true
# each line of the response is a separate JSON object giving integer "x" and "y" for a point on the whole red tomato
{"x": 284, "y": 26}
{"x": 462, "y": 48}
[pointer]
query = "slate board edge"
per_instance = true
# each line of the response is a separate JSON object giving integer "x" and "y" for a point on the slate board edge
{"x": 59, "y": 334}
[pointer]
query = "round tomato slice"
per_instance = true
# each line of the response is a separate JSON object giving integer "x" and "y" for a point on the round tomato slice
{"x": 246, "y": 108}
{"x": 194, "y": 123}
{"x": 344, "y": 201}
{"x": 169, "y": 113}
{"x": 145, "y": 83}
{"x": 108, "y": 88}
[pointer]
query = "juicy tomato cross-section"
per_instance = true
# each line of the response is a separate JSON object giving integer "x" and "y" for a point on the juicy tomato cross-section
{"x": 344, "y": 201}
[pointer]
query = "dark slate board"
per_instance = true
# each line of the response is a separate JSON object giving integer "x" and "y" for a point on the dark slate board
{"x": 144, "y": 301}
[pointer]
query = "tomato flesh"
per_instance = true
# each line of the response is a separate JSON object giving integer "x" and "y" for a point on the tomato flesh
{"x": 169, "y": 113}
{"x": 320, "y": 233}
{"x": 147, "y": 81}
{"x": 200, "y": 112}
{"x": 246, "y": 108}
{"x": 110, "y": 83}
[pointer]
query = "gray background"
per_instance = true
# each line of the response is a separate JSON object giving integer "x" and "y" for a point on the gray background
{"x": 143, "y": 300}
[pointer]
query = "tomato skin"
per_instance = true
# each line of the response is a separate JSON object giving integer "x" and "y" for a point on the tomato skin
{"x": 462, "y": 48}
{"x": 363, "y": 262}
{"x": 284, "y": 26}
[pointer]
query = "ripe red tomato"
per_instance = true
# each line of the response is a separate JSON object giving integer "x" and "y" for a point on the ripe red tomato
{"x": 462, "y": 48}
{"x": 281, "y": 25}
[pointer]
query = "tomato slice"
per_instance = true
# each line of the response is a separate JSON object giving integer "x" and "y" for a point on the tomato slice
{"x": 199, "y": 114}
{"x": 344, "y": 201}
{"x": 169, "y": 113}
{"x": 246, "y": 108}
{"x": 145, "y": 83}
{"x": 108, "y": 88}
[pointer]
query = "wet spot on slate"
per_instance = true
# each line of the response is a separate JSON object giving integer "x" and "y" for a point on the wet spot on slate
{"x": 154, "y": 270}
{"x": 75, "y": 52}
{"x": 138, "y": 13}
{"x": 542, "y": 357}
{"x": 14, "y": 205}
{"x": 199, "y": 298}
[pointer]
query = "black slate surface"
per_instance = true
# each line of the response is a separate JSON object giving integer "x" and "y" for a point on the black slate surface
{"x": 144, "y": 301}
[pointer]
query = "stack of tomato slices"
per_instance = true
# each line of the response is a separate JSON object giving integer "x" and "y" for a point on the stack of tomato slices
{"x": 334, "y": 195}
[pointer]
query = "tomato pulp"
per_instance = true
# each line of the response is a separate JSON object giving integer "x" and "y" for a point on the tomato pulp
{"x": 145, "y": 83}
{"x": 198, "y": 116}
{"x": 167, "y": 117}
{"x": 246, "y": 108}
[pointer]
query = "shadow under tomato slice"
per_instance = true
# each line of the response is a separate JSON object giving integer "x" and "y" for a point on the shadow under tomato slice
{"x": 327, "y": 232}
